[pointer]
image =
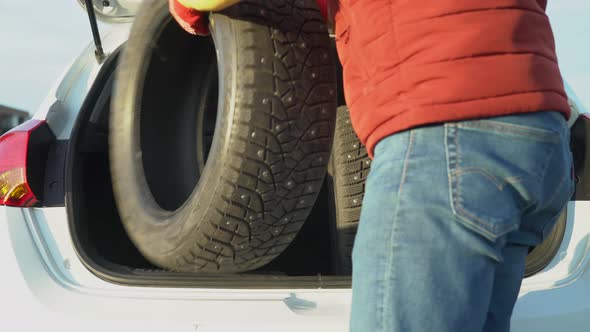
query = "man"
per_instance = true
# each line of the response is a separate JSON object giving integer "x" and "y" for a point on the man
{"x": 462, "y": 106}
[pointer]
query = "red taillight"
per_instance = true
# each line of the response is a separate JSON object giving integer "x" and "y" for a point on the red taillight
{"x": 15, "y": 188}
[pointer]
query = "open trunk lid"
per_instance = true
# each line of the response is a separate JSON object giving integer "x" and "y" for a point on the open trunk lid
{"x": 114, "y": 11}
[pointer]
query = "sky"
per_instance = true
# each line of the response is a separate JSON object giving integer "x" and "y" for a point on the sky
{"x": 39, "y": 39}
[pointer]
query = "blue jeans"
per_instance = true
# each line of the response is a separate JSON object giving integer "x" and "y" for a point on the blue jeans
{"x": 449, "y": 214}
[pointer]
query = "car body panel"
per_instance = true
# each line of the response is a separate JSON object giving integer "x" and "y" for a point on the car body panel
{"x": 48, "y": 284}
{"x": 58, "y": 281}
{"x": 44, "y": 272}
{"x": 61, "y": 106}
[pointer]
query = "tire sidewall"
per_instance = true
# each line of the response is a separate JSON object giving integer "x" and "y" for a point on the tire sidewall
{"x": 161, "y": 228}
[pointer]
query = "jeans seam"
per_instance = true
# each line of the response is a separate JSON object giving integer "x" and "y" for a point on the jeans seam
{"x": 498, "y": 127}
{"x": 449, "y": 173}
{"x": 468, "y": 219}
{"x": 458, "y": 204}
{"x": 546, "y": 167}
{"x": 561, "y": 182}
{"x": 481, "y": 224}
{"x": 477, "y": 170}
{"x": 390, "y": 254}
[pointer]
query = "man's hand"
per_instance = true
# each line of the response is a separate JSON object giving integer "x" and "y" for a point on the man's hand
{"x": 192, "y": 17}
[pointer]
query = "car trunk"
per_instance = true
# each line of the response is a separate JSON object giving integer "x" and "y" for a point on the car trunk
{"x": 106, "y": 250}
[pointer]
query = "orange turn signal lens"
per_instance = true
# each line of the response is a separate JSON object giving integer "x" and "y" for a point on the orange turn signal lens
{"x": 14, "y": 190}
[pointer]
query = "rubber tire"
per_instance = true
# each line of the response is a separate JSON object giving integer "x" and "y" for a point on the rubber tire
{"x": 271, "y": 146}
{"x": 348, "y": 170}
{"x": 349, "y": 167}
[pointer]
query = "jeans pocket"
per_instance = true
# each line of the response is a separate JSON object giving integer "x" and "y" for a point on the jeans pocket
{"x": 496, "y": 171}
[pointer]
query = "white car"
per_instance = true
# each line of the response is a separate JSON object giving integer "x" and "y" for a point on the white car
{"x": 68, "y": 263}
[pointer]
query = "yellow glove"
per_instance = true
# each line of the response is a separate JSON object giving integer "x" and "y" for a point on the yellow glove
{"x": 208, "y": 5}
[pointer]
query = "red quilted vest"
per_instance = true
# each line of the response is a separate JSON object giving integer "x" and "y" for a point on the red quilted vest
{"x": 411, "y": 63}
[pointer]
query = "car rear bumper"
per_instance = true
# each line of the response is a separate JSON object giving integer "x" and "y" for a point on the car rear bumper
{"x": 44, "y": 283}
{"x": 44, "y": 274}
